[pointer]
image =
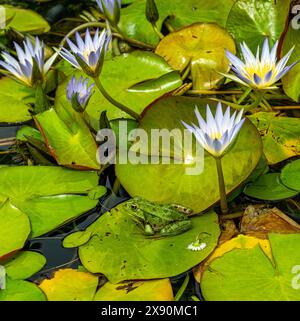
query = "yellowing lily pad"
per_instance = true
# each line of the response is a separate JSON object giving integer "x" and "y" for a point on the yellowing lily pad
{"x": 70, "y": 285}
{"x": 154, "y": 290}
{"x": 249, "y": 274}
{"x": 15, "y": 100}
{"x": 239, "y": 242}
{"x": 202, "y": 46}
{"x": 119, "y": 249}
{"x": 280, "y": 135}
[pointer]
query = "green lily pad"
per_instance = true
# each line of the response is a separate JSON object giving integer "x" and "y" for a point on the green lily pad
{"x": 120, "y": 250}
{"x": 40, "y": 211}
{"x": 70, "y": 285}
{"x": 291, "y": 82}
{"x": 24, "y": 265}
{"x": 280, "y": 135}
{"x": 182, "y": 13}
{"x": 170, "y": 183}
{"x": 18, "y": 268}
{"x": 27, "y": 131}
{"x": 25, "y": 20}
{"x": 7, "y": 17}
{"x": 49, "y": 196}
{"x": 252, "y": 21}
{"x": 20, "y": 290}
{"x": 262, "y": 168}
{"x": 202, "y": 45}
{"x": 15, "y": 228}
{"x": 154, "y": 290}
{"x": 249, "y": 275}
{"x": 120, "y": 76}
{"x": 70, "y": 142}
{"x": 15, "y": 100}
{"x": 269, "y": 187}
{"x": 290, "y": 175}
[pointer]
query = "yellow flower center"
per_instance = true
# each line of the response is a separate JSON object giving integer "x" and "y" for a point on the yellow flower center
{"x": 261, "y": 70}
{"x": 215, "y": 135}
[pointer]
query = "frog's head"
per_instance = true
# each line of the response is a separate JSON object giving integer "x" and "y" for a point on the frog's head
{"x": 134, "y": 207}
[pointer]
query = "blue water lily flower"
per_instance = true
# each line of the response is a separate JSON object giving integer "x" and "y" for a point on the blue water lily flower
{"x": 79, "y": 93}
{"x": 260, "y": 72}
{"x": 30, "y": 65}
{"x": 217, "y": 133}
{"x": 88, "y": 54}
{"x": 111, "y": 9}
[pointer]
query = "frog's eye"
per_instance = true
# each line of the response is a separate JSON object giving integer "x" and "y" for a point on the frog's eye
{"x": 133, "y": 206}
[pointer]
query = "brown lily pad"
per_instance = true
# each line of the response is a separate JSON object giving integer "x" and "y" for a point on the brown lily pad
{"x": 259, "y": 221}
{"x": 229, "y": 230}
{"x": 202, "y": 45}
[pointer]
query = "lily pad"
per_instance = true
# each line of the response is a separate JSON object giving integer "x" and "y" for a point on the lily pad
{"x": 181, "y": 13}
{"x": 139, "y": 257}
{"x": 239, "y": 242}
{"x": 15, "y": 100}
{"x": 252, "y": 21}
{"x": 18, "y": 268}
{"x": 174, "y": 183}
{"x": 291, "y": 82}
{"x": 70, "y": 285}
{"x": 20, "y": 290}
{"x": 49, "y": 196}
{"x": 27, "y": 131}
{"x": 7, "y": 17}
{"x": 280, "y": 135}
{"x": 268, "y": 187}
{"x": 24, "y": 265}
{"x": 290, "y": 175}
{"x": 25, "y": 20}
{"x": 248, "y": 274}
{"x": 202, "y": 45}
{"x": 156, "y": 290}
{"x": 70, "y": 142}
{"x": 15, "y": 228}
{"x": 260, "y": 221}
{"x": 120, "y": 76}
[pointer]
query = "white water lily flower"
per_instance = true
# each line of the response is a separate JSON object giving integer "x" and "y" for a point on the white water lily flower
{"x": 30, "y": 63}
{"x": 111, "y": 9}
{"x": 79, "y": 93}
{"x": 197, "y": 246}
{"x": 259, "y": 72}
{"x": 87, "y": 54}
{"x": 217, "y": 133}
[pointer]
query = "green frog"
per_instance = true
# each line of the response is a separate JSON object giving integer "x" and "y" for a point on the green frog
{"x": 159, "y": 220}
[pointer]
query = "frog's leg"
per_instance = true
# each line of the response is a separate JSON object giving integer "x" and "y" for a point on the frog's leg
{"x": 149, "y": 230}
{"x": 176, "y": 228}
{"x": 181, "y": 209}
